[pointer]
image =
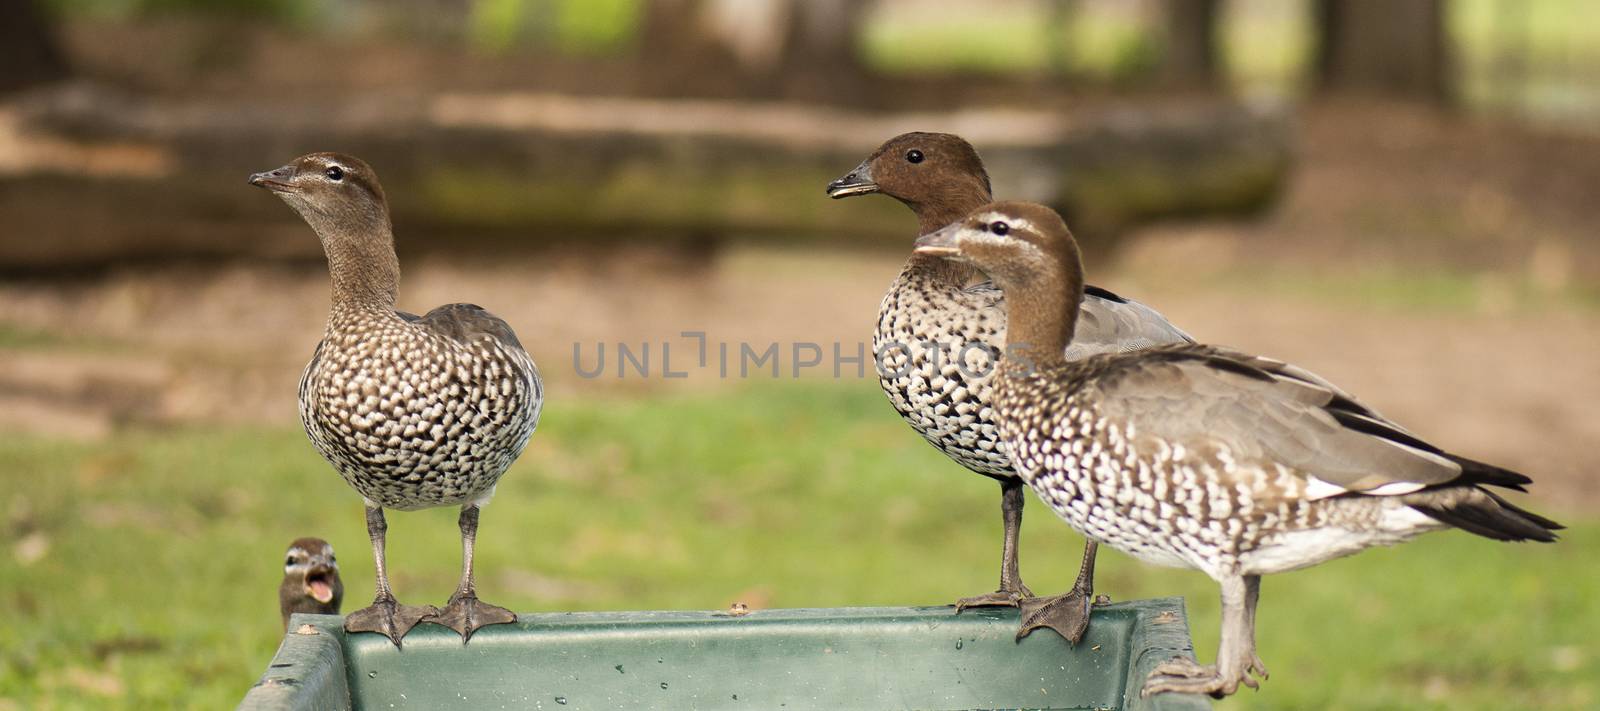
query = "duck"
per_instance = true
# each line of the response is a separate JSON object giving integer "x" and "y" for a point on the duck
{"x": 947, "y": 400}
{"x": 412, "y": 411}
{"x": 311, "y": 582}
{"x": 1204, "y": 457}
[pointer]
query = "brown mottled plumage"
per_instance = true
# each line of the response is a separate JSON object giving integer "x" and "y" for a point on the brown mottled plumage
{"x": 941, "y": 178}
{"x": 1202, "y": 457}
{"x": 311, "y": 581}
{"x": 413, "y": 411}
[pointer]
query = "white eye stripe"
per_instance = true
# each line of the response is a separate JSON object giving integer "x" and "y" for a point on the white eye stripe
{"x": 1016, "y": 223}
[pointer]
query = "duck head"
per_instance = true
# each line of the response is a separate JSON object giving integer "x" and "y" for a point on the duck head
{"x": 1016, "y": 243}
{"x": 938, "y": 175}
{"x": 329, "y": 189}
{"x": 311, "y": 580}
{"x": 339, "y": 196}
{"x": 1031, "y": 255}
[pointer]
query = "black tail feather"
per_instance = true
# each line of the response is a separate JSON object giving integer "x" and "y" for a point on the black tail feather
{"x": 1494, "y": 518}
{"x": 1476, "y": 472}
{"x": 1529, "y": 515}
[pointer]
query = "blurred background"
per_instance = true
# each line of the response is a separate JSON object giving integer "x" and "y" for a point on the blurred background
{"x": 1397, "y": 195}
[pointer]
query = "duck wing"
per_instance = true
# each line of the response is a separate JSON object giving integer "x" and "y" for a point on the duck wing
{"x": 1265, "y": 412}
{"x": 1107, "y": 322}
{"x": 466, "y": 323}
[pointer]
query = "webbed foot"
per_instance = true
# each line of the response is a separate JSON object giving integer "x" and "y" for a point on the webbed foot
{"x": 1186, "y": 676}
{"x": 388, "y": 617}
{"x": 998, "y": 598}
{"x": 466, "y": 614}
{"x": 1067, "y": 614}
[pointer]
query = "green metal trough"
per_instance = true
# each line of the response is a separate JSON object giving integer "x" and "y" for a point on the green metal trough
{"x": 844, "y": 658}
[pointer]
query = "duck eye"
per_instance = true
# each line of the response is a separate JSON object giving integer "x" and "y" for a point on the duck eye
{"x": 999, "y": 228}
{"x": 288, "y": 562}
{"x": 334, "y": 173}
{"x": 914, "y": 156}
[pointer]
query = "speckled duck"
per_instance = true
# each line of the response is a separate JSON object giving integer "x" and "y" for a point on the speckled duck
{"x": 942, "y": 179}
{"x": 413, "y": 411}
{"x": 1201, "y": 457}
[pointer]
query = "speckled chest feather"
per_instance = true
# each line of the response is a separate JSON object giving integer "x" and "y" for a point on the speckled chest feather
{"x": 412, "y": 418}
{"x": 925, "y": 325}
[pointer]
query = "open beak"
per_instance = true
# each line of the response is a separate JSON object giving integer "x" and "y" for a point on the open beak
{"x": 940, "y": 242}
{"x": 855, "y": 182}
{"x": 275, "y": 180}
{"x": 319, "y": 584}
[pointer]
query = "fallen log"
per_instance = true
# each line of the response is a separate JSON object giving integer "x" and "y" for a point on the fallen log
{"x": 89, "y": 177}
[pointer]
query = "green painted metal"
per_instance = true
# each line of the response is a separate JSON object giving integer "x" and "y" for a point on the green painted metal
{"x": 844, "y": 658}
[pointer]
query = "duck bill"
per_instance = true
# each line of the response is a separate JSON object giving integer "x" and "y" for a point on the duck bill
{"x": 855, "y": 182}
{"x": 939, "y": 243}
{"x": 276, "y": 180}
{"x": 319, "y": 585}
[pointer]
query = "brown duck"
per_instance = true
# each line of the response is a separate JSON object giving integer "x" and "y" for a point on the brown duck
{"x": 1201, "y": 457}
{"x": 412, "y": 411}
{"x": 934, "y": 301}
{"x": 311, "y": 581}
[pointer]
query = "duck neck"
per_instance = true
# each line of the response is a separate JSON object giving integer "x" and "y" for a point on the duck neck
{"x": 1040, "y": 319}
{"x": 362, "y": 262}
{"x": 934, "y": 214}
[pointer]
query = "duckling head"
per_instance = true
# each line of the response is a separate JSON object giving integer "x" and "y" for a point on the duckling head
{"x": 311, "y": 580}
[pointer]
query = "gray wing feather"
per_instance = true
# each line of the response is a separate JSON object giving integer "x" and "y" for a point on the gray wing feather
{"x": 1219, "y": 399}
{"x": 1107, "y": 323}
{"x": 467, "y": 323}
{"x": 1120, "y": 326}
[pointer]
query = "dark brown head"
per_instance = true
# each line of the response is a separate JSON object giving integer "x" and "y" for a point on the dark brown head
{"x": 1031, "y": 255}
{"x": 339, "y": 196}
{"x": 938, "y": 175}
{"x": 310, "y": 580}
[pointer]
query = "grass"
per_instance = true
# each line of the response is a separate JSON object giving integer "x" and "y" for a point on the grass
{"x": 141, "y": 572}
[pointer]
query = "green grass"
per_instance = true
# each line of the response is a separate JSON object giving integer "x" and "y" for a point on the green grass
{"x": 158, "y": 585}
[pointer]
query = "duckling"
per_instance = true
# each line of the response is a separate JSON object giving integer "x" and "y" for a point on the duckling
{"x": 310, "y": 580}
{"x": 412, "y": 411}
{"x": 1203, "y": 457}
{"x": 941, "y": 178}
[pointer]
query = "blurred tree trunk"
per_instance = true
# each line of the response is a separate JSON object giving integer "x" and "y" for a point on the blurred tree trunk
{"x": 1396, "y": 47}
{"x": 672, "y": 30}
{"x": 680, "y": 52}
{"x": 1189, "y": 56}
{"x": 1061, "y": 18}
{"x": 822, "y": 34}
{"x": 819, "y": 59}
{"x": 28, "y": 50}
{"x": 754, "y": 48}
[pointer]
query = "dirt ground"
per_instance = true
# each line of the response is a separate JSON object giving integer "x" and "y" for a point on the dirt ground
{"x": 1496, "y": 355}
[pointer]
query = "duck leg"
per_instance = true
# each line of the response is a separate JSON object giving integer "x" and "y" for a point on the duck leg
{"x": 1067, "y": 613}
{"x": 1236, "y": 654}
{"x": 385, "y": 615}
{"x": 465, "y": 613}
{"x": 1011, "y": 588}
